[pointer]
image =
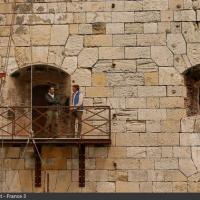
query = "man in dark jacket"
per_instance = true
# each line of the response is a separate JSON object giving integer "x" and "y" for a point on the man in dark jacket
{"x": 52, "y": 112}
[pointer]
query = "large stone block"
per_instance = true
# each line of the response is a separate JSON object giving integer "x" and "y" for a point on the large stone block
{"x": 136, "y": 152}
{"x": 133, "y": 28}
{"x": 21, "y": 35}
{"x": 69, "y": 64}
{"x": 151, "y": 78}
{"x": 151, "y": 91}
{"x": 128, "y": 139}
{"x": 124, "y": 40}
{"x": 162, "y": 187}
{"x": 92, "y": 17}
{"x": 122, "y": 16}
{"x": 148, "y": 139}
{"x": 176, "y": 43}
{"x": 176, "y": 114}
{"x": 185, "y": 15}
{"x": 170, "y": 126}
{"x": 162, "y": 55}
{"x": 114, "y": 28}
{"x": 153, "y": 102}
{"x": 152, "y": 114}
{"x": 122, "y": 91}
{"x": 74, "y": 45}
{"x": 97, "y": 40}
{"x": 105, "y": 187}
{"x": 118, "y": 103}
{"x": 135, "y": 126}
{"x": 40, "y": 39}
{"x": 189, "y": 139}
{"x": 193, "y": 52}
{"x": 137, "y": 175}
{"x": 166, "y": 163}
{"x": 181, "y": 152}
{"x": 137, "y": 52}
{"x": 166, "y": 139}
{"x": 187, "y": 166}
{"x": 40, "y": 54}
{"x": 151, "y": 39}
{"x": 147, "y": 16}
{"x": 125, "y": 79}
{"x": 111, "y": 52}
{"x": 127, "y": 186}
{"x": 88, "y": 57}
{"x": 82, "y": 77}
{"x": 135, "y": 102}
{"x": 155, "y": 5}
{"x": 171, "y": 102}
{"x": 117, "y": 152}
{"x": 98, "y": 92}
{"x": 170, "y": 76}
{"x": 99, "y": 79}
{"x": 147, "y": 164}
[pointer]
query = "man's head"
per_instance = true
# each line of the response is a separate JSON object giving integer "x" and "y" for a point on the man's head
{"x": 75, "y": 88}
{"x": 51, "y": 90}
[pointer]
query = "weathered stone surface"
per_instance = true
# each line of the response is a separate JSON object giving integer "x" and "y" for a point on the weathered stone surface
{"x": 176, "y": 43}
{"x": 123, "y": 17}
{"x": 162, "y": 55}
{"x": 127, "y": 187}
{"x": 182, "y": 152}
{"x": 150, "y": 91}
{"x": 151, "y": 78}
{"x": 151, "y": 39}
{"x": 21, "y": 35}
{"x": 169, "y": 76}
{"x": 116, "y": 28}
{"x": 99, "y": 79}
{"x": 193, "y": 53}
{"x": 105, "y": 187}
{"x": 39, "y": 54}
{"x": 97, "y": 40}
{"x": 137, "y": 175}
{"x": 184, "y": 15}
{"x": 124, "y": 79}
{"x": 124, "y": 40}
{"x": 98, "y": 92}
{"x": 69, "y": 64}
{"x": 122, "y": 91}
{"x": 135, "y": 126}
{"x": 187, "y": 166}
{"x": 74, "y": 45}
{"x": 131, "y": 28}
{"x": 147, "y": 16}
{"x": 82, "y": 77}
{"x": 151, "y": 114}
{"x": 135, "y": 103}
{"x": 162, "y": 187}
{"x": 155, "y": 5}
{"x": 40, "y": 39}
{"x": 166, "y": 163}
{"x": 87, "y": 57}
{"x": 111, "y": 52}
{"x": 137, "y": 52}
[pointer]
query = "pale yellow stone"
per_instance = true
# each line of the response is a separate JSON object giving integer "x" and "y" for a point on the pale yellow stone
{"x": 166, "y": 15}
{"x": 167, "y": 152}
{"x": 99, "y": 79}
{"x": 155, "y": 5}
{"x": 148, "y": 139}
{"x": 88, "y": 57}
{"x": 166, "y": 163}
{"x": 172, "y": 102}
{"x": 146, "y": 164}
{"x": 153, "y": 102}
{"x": 39, "y": 54}
{"x": 111, "y": 52}
{"x": 184, "y": 15}
{"x": 151, "y": 91}
{"x": 137, "y": 175}
{"x": 98, "y": 92}
{"x": 151, "y": 40}
{"x": 193, "y": 187}
{"x": 151, "y": 78}
{"x": 137, "y": 52}
{"x": 175, "y": 114}
{"x": 128, "y": 139}
{"x": 146, "y": 187}
{"x": 182, "y": 152}
{"x": 187, "y": 166}
{"x": 170, "y": 126}
{"x": 97, "y": 40}
{"x": 167, "y": 139}
{"x": 73, "y": 29}
{"x": 40, "y": 39}
{"x": 176, "y": 4}
{"x": 135, "y": 103}
{"x": 162, "y": 187}
{"x": 123, "y": 17}
{"x": 105, "y": 187}
{"x": 127, "y": 186}
{"x": 151, "y": 114}
{"x": 117, "y": 152}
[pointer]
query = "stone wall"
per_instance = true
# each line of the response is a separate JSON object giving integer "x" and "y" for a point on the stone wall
{"x": 129, "y": 55}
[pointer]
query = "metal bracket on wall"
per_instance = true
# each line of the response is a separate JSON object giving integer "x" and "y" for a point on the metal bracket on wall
{"x": 81, "y": 165}
{"x": 38, "y": 166}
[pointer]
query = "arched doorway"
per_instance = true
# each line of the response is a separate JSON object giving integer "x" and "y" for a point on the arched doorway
{"x": 31, "y": 84}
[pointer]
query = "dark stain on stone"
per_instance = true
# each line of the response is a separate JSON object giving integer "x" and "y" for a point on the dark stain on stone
{"x": 21, "y": 30}
{"x": 19, "y": 19}
{"x": 40, "y": 9}
{"x": 23, "y": 8}
{"x": 99, "y": 28}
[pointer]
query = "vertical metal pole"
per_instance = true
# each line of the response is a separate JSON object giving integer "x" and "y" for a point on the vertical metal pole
{"x": 38, "y": 167}
{"x": 81, "y": 165}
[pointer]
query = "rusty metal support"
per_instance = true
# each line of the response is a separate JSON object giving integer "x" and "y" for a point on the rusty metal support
{"x": 81, "y": 165}
{"x": 38, "y": 166}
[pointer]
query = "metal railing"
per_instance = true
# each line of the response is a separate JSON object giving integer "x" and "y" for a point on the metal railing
{"x": 55, "y": 122}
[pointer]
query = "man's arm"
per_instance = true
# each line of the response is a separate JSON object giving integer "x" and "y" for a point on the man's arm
{"x": 49, "y": 99}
